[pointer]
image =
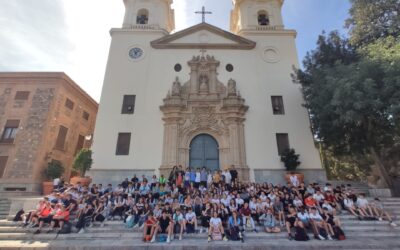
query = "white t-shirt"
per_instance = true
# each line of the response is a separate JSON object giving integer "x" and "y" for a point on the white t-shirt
{"x": 253, "y": 205}
{"x": 239, "y": 201}
{"x": 319, "y": 197}
{"x": 297, "y": 203}
{"x": 190, "y": 216}
{"x": 328, "y": 206}
{"x": 348, "y": 203}
{"x": 316, "y": 217}
{"x": 56, "y": 181}
{"x": 226, "y": 201}
{"x": 228, "y": 177}
{"x": 303, "y": 217}
{"x": 362, "y": 202}
{"x": 294, "y": 180}
{"x": 198, "y": 175}
{"x": 215, "y": 222}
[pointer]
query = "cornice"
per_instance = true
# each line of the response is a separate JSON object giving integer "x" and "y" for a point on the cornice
{"x": 166, "y": 42}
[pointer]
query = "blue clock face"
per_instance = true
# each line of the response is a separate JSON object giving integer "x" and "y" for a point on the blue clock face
{"x": 135, "y": 53}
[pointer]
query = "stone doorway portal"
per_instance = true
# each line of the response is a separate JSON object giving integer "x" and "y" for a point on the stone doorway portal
{"x": 202, "y": 110}
{"x": 204, "y": 152}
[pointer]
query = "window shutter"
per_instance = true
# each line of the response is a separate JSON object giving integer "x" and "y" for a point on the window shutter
{"x": 79, "y": 145}
{"x": 62, "y": 135}
{"x": 123, "y": 143}
{"x": 12, "y": 124}
{"x": 128, "y": 106}
{"x": 3, "y": 163}
{"x": 69, "y": 104}
{"x": 277, "y": 105}
{"x": 22, "y": 95}
{"x": 282, "y": 141}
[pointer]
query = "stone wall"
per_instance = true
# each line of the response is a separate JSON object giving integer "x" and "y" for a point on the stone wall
{"x": 278, "y": 176}
{"x": 115, "y": 177}
{"x": 31, "y": 134}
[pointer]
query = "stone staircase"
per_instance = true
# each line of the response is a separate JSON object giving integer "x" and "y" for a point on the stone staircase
{"x": 357, "y": 187}
{"x": 4, "y": 208}
{"x": 360, "y": 235}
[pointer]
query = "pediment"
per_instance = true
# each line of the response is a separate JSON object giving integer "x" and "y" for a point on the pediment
{"x": 203, "y": 36}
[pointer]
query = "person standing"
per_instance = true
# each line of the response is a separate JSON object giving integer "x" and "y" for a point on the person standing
{"x": 203, "y": 177}
{"x": 228, "y": 177}
{"x": 234, "y": 174}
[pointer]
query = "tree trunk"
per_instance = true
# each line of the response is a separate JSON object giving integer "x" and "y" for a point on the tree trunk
{"x": 381, "y": 168}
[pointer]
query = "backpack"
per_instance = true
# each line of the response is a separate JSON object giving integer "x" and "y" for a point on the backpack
{"x": 339, "y": 234}
{"x": 301, "y": 234}
{"x": 66, "y": 229}
{"x": 18, "y": 216}
{"x": 190, "y": 229}
{"x": 130, "y": 221}
{"x": 162, "y": 238}
{"x": 234, "y": 234}
{"x": 323, "y": 233}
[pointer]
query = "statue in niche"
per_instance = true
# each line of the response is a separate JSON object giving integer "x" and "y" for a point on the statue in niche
{"x": 176, "y": 88}
{"x": 232, "y": 88}
{"x": 203, "y": 84}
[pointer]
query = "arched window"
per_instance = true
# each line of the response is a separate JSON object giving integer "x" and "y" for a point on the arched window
{"x": 263, "y": 19}
{"x": 142, "y": 17}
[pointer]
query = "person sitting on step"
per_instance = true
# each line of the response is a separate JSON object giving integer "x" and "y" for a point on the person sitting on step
{"x": 270, "y": 223}
{"x": 179, "y": 223}
{"x": 164, "y": 226}
{"x": 216, "y": 230}
{"x": 150, "y": 226}
{"x": 60, "y": 217}
{"x": 381, "y": 214}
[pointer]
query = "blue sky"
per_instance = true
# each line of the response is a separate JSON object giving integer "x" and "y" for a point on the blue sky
{"x": 73, "y": 35}
{"x": 308, "y": 17}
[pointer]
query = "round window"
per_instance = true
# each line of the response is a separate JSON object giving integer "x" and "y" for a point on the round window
{"x": 229, "y": 67}
{"x": 178, "y": 67}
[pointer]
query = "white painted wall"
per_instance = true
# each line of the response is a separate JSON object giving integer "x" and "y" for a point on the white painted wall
{"x": 151, "y": 78}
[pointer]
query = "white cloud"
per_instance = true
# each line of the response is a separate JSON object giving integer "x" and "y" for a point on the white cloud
{"x": 72, "y": 35}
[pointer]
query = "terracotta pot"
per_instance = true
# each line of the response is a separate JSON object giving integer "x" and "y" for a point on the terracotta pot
{"x": 85, "y": 181}
{"x": 300, "y": 177}
{"x": 47, "y": 187}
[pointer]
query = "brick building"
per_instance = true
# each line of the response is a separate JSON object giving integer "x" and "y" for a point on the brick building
{"x": 44, "y": 117}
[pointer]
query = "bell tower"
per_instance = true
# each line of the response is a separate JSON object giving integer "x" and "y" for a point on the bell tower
{"x": 149, "y": 14}
{"x": 260, "y": 15}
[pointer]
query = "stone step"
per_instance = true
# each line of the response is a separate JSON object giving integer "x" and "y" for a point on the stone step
{"x": 132, "y": 235}
{"x": 123, "y": 229}
{"x": 282, "y": 244}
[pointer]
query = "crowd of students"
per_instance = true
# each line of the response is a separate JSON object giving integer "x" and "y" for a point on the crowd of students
{"x": 197, "y": 201}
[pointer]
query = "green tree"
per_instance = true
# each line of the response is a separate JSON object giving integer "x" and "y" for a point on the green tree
{"x": 54, "y": 170}
{"x": 353, "y": 97}
{"x": 373, "y": 19}
{"x": 83, "y": 161}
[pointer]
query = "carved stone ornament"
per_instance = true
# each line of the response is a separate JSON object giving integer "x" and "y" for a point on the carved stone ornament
{"x": 204, "y": 105}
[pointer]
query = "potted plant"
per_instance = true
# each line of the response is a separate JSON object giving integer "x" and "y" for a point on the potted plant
{"x": 82, "y": 163}
{"x": 54, "y": 170}
{"x": 291, "y": 162}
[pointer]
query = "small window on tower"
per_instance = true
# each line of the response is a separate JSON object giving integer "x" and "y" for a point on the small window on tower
{"x": 277, "y": 105}
{"x": 263, "y": 19}
{"x": 142, "y": 17}
{"x": 128, "y": 105}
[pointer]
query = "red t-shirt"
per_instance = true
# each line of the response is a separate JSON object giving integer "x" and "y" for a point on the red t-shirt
{"x": 330, "y": 198}
{"x": 310, "y": 202}
{"x": 151, "y": 221}
{"x": 245, "y": 211}
{"x": 45, "y": 212}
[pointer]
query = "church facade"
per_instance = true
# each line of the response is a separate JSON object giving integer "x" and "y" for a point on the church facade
{"x": 202, "y": 96}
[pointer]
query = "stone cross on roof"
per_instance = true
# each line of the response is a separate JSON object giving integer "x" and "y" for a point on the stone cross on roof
{"x": 204, "y": 13}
